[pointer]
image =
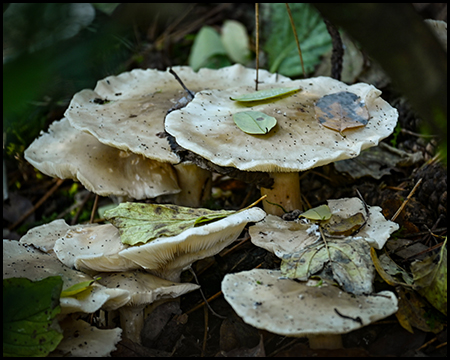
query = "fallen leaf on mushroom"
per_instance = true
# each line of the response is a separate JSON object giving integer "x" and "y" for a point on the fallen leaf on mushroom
{"x": 341, "y": 111}
{"x": 141, "y": 223}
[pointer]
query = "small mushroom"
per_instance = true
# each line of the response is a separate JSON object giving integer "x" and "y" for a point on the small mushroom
{"x": 127, "y": 112}
{"x": 93, "y": 249}
{"x": 298, "y": 142}
{"x": 290, "y": 308}
{"x": 168, "y": 256}
{"x": 43, "y": 237}
{"x": 68, "y": 153}
{"x": 144, "y": 290}
{"x": 83, "y": 340}
{"x": 20, "y": 260}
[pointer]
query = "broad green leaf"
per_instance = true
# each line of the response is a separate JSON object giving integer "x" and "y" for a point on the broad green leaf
{"x": 321, "y": 212}
{"x": 77, "y": 288}
{"x": 235, "y": 40}
{"x": 29, "y": 310}
{"x": 280, "y": 46}
{"x": 207, "y": 44}
{"x": 254, "y": 122}
{"x": 348, "y": 260}
{"x": 140, "y": 223}
{"x": 262, "y": 95}
{"x": 341, "y": 111}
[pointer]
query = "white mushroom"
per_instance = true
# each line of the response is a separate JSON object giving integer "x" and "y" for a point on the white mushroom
{"x": 83, "y": 340}
{"x": 68, "y": 153}
{"x": 297, "y": 143}
{"x": 144, "y": 289}
{"x": 93, "y": 249}
{"x": 20, "y": 260}
{"x": 286, "y": 237}
{"x": 43, "y": 237}
{"x": 127, "y": 111}
{"x": 299, "y": 309}
{"x": 168, "y": 256}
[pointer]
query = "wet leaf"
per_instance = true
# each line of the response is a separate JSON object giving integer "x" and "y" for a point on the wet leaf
{"x": 431, "y": 275}
{"x": 388, "y": 270}
{"x": 29, "y": 311}
{"x": 78, "y": 288}
{"x": 140, "y": 223}
{"x": 341, "y": 111}
{"x": 262, "y": 95}
{"x": 254, "y": 122}
{"x": 321, "y": 212}
{"x": 348, "y": 260}
{"x": 414, "y": 311}
{"x": 339, "y": 226}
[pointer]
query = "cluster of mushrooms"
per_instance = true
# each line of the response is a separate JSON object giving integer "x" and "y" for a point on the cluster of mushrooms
{"x": 139, "y": 135}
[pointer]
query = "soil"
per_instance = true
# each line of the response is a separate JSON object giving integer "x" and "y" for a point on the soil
{"x": 188, "y": 328}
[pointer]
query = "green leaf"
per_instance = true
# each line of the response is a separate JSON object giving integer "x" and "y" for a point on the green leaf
{"x": 321, "y": 212}
{"x": 140, "y": 223}
{"x": 348, "y": 260}
{"x": 29, "y": 310}
{"x": 262, "y": 95}
{"x": 254, "y": 122}
{"x": 235, "y": 40}
{"x": 341, "y": 111}
{"x": 280, "y": 46}
{"x": 207, "y": 44}
{"x": 78, "y": 288}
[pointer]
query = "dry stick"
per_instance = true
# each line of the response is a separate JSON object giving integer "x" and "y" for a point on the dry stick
{"x": 257, "y": 43}
{"x": 94, "y": 209}
{"x": 296, "y": 37}
{"x": 205, "y": 334}
{"x": 203, "y": 296}
{"x": 38, "y": 204}
{"x": 406, "y": 200}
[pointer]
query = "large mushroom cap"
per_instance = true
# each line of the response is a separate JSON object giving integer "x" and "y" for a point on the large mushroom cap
{"x": 66, "y": 152}
{"x": 298, "y": 142}
{"x": 168, "y": 256}
{"x": 290, "y": 308}
{"x": 127, "y": 111}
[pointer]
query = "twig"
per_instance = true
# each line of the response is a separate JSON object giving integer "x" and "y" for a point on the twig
{"x": 294, "y": 30}
{"x": 94, "y": 209}
{"x": 204, "y": 298}
{"x": 196, "y": 307}
{"x": 337, "y": 55}
{"x": 38, "y": 204}
{"x": 406, "y": 200}
{"x": 257, "y": 43}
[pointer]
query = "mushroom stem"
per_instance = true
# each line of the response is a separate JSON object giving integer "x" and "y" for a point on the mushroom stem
{"x": 285, "y": 192}
{"x": 195, "y": 184}
{"x": 329, "y": 342}
{"x": 132, "y": 322}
